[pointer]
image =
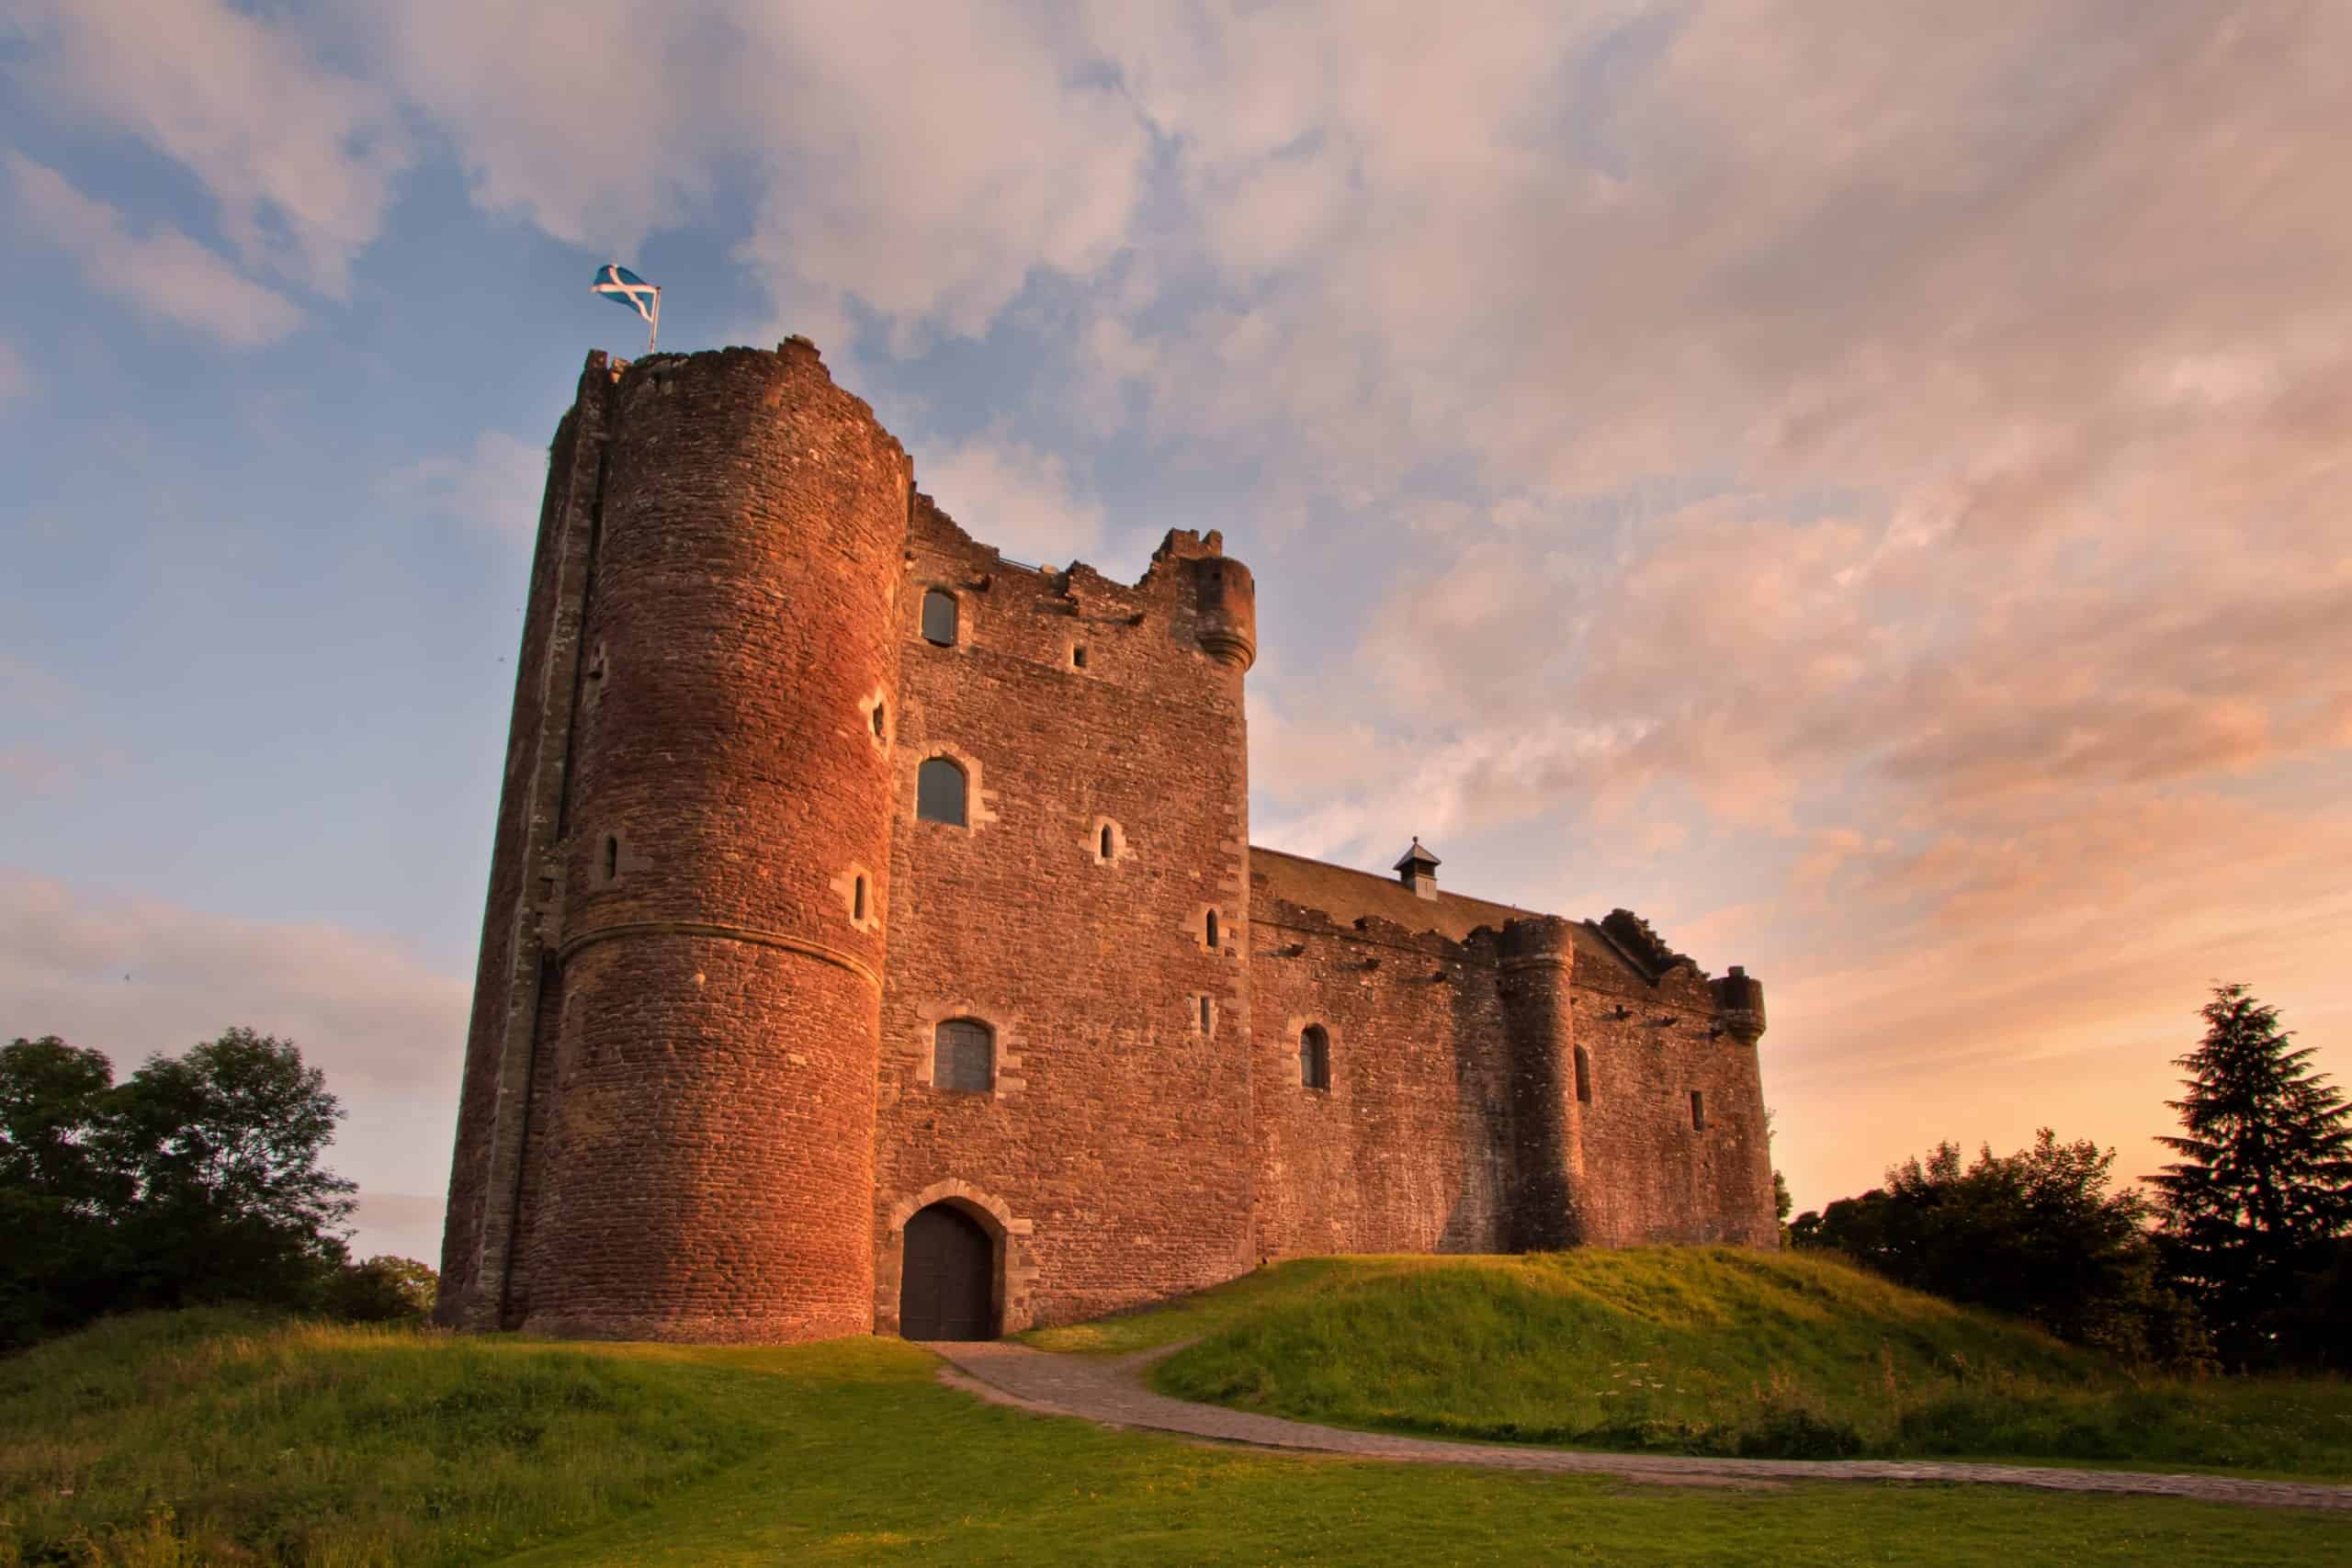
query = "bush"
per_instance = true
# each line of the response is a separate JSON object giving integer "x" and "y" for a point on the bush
{"x": 382, "y": 1290}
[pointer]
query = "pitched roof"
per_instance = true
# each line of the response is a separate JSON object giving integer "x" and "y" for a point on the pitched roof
{"x": 1348, "y": 895}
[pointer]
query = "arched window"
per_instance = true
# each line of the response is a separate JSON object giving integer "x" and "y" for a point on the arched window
{"x": 939, "y": 792}
{"x": 964, "y": 1057}
{"x": 1584, "y": 1077}
{"x": 1106, "y": 843}
{"x": 939, "y": 617}
{"x": 881, "y": 720}
{"x": 1314, "y": 1058}
{"x": 1212, "y": 931}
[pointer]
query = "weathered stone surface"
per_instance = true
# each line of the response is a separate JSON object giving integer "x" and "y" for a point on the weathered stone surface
{"x": 700, "y": 1099}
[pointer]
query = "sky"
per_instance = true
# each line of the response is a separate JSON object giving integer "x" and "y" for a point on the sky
{"x": 1862, "y": 485}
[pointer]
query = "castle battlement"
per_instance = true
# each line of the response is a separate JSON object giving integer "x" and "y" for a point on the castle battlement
{"x": 874, "y": 940}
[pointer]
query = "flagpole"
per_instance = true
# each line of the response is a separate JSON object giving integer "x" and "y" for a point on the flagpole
{"x": 654, "y": 330}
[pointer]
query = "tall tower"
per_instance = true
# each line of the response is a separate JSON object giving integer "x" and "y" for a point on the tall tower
{"x": 666, "y": 1128}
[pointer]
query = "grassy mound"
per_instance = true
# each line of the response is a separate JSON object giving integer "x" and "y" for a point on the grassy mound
{"x": 1703, "y": 1351}
{"x": 215, "y": 1436}
{"x": 209, "y": 1439}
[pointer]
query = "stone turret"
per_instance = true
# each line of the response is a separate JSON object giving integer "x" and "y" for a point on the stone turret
{"x": 697, "y": 1140}
{"x": 1537, "y": 957}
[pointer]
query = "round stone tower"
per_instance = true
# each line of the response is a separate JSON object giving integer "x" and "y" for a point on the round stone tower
{"x": 704, "y": 1165}
{"x": 1537, "y": 957}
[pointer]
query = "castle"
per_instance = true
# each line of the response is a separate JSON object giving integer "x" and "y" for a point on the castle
{"x": 875, "y": 943}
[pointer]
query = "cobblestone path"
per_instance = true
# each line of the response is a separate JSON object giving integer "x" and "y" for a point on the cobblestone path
{"x": 1111, "y": 1390}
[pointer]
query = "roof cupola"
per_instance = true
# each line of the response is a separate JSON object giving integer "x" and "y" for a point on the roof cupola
{"x": 1417, "y": 869}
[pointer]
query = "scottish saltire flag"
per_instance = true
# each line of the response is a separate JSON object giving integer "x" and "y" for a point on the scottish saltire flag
{"x": 617, "y": 283}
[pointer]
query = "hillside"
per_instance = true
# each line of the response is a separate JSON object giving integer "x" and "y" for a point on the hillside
{"x": 191, "y": 1440}
{"x": 1700, "y": 1352}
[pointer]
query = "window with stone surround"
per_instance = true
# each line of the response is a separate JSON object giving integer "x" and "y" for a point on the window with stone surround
{"x": 1584, "y": 1077}
{"x": 964, "y": 1057}
{"x": 939, "y": 792}
{"x": 939, "y": 617}
{"x": 1314, "y": 1058}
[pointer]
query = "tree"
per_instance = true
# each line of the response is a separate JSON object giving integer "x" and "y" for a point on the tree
{"x": 383, "y": 1289}
{"x": 2264, "y": 1182}
{"x": 195, "y": 1179}
{"x": 2038, "y": 1234}
{"x": 1782, "y": 1204}
{"x": 58, "y": 1188}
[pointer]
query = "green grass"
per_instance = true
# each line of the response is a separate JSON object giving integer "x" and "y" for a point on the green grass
{"x": 207, "y": 1439}
{"x": 1716, "y": 1351}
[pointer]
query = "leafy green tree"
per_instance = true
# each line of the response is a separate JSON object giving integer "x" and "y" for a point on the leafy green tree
{"x": 58, "y": 1187}
{"x": 383, "y": 1289}
{"x": 197, "y": 1180}
{"x": 2039, "y": 1234}
{"x": 2263, "y": 1186}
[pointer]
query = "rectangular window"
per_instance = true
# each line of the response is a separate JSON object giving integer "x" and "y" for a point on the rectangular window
{"x": 1698, "y": 1112}
{"x": 963, "y": 1057}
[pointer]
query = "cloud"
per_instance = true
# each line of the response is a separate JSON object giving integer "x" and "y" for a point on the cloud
{"x": 300, "y": 158}
{"x": 163, "y": 271}
{"x": 922, "y": 164}
{"x": 496, "y": 484}
{"x": 404, "y": 1224}
{"x": 132, "y": 976}
{"x": 1019, "y": 498}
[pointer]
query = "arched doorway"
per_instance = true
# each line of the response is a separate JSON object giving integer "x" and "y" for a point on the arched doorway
{"x": 945, "y": 1285}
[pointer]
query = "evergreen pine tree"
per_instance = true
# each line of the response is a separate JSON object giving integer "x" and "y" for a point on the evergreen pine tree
{"x": 2263, "y": 1181}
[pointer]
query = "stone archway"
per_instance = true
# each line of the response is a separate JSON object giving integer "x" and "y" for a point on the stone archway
{"x": 1014, "y": 1269}
{"x": 947, "y": 1276}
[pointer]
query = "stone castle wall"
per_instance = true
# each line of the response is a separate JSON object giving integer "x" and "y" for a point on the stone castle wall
{"x": 1112, "y": 1160}
{"x": 700, "y": 1098}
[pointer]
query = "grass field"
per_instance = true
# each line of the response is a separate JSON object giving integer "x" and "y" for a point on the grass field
{"x": 1718, "y": 1351}
{"x": 167, "y": 1441}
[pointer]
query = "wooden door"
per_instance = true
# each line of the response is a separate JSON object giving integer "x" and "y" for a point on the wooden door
{"x": 944, "y": 1286}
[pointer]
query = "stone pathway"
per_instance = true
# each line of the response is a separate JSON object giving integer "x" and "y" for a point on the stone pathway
{"x": 1111, "y": 1390}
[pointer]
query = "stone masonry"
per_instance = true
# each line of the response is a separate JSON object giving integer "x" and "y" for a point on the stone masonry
{"x": 710, "y": 1074}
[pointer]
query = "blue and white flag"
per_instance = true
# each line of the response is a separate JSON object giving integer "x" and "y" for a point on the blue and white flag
{"x": 617, "y": 283}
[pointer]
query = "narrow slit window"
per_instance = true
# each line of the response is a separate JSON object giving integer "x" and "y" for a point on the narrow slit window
{"x": 964, "y": 1057}
{"x": 939, "y": 792}
{"x": 1314, "y": 1058}
{"x": 1212, "y": 931}
{"x": 879, "y": 721}
{"x": 612, "y": 857}
{"x": 1698, "y": 1110}
{"x": 1205, "y": 1015}
{"x": 857, "y": 900}
{"x": 939, "y": 617}
{"x": 1584, "y": 1077}
{"x": 1106, "y": 843}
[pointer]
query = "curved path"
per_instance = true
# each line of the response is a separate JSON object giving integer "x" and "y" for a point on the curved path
{"x": 1111, "y": 1390}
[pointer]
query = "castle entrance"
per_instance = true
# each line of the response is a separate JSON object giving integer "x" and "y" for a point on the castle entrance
{"x": 944, "y": 1289}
